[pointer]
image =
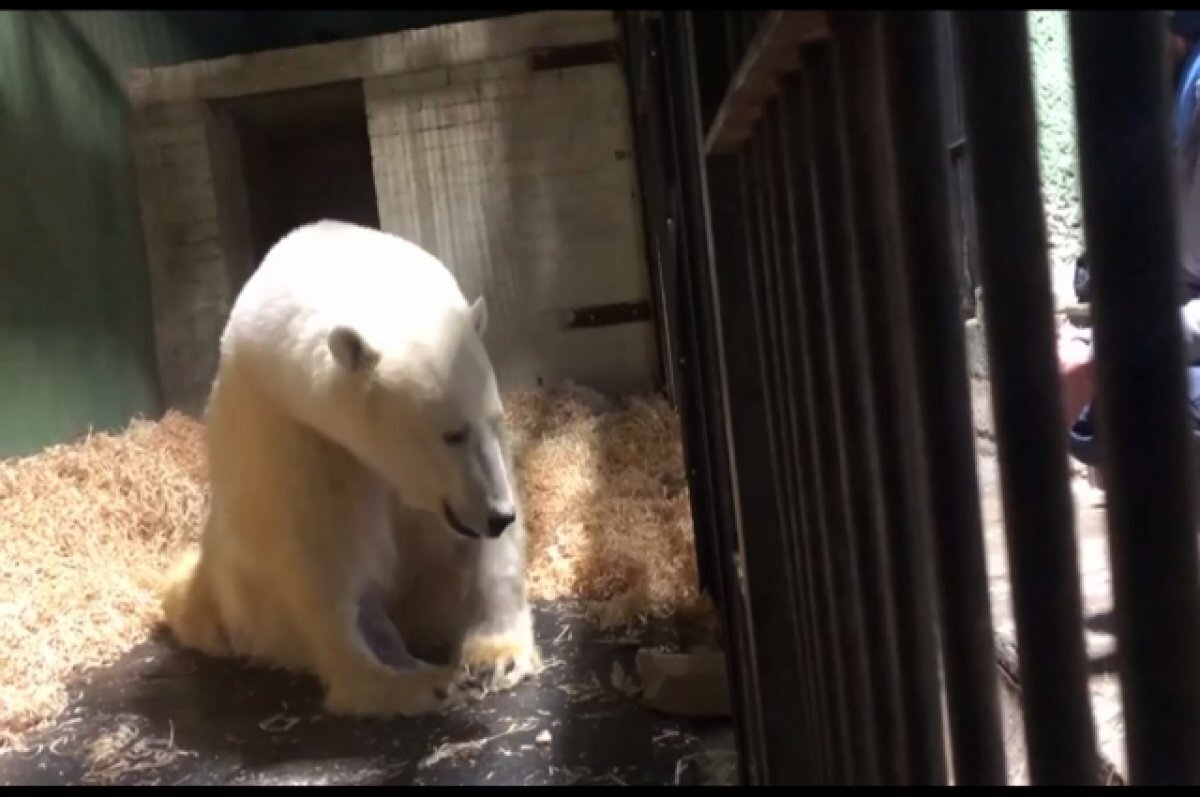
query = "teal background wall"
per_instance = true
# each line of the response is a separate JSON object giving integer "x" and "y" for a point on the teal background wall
{"x": 75, "y": 347}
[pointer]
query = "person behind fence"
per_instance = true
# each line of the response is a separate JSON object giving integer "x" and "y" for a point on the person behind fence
{"x": 1074, "y": 347}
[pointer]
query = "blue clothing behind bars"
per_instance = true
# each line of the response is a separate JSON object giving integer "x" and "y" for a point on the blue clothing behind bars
{"x": 1083, "y": 443}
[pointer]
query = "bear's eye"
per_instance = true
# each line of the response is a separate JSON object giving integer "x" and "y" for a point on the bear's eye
{"x": 457, "y": 437}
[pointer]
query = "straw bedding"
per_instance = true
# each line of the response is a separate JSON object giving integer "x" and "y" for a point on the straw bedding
{"x": 87, "y": 530}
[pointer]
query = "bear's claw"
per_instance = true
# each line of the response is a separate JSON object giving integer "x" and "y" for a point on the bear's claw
{"x": 497, "y": 663}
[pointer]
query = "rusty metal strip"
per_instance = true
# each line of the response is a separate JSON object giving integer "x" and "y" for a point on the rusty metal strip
{"x": 549, "y": 59}
{"x": 770, "y": 54}
{"x": 608, "y": 315}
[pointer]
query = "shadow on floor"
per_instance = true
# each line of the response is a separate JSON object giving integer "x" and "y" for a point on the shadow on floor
{"x": 162, "y": 716}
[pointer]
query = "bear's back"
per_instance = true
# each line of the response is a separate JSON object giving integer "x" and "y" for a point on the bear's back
{"x": 333, "y": 273}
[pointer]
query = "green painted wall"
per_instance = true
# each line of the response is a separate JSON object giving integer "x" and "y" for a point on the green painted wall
{"x": 75, "y": 345}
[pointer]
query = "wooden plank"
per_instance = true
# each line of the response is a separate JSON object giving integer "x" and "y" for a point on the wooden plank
{"x": 771, "y": 53}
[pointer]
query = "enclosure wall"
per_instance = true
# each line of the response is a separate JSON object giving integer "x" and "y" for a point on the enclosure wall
{"x": 75, "y": 344}
{"x": 523, "y": 182}
{"x": 503, "y": 145}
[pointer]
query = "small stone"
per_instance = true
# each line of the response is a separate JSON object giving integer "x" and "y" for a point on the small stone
{"x": 543, "y": 738}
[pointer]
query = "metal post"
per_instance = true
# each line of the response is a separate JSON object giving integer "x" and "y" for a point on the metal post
{"x": 1124, "y": 104}
{"x": 1039, "y": 512}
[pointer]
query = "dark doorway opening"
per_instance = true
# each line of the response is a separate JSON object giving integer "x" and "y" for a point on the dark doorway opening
{"x": 302, "y": 155}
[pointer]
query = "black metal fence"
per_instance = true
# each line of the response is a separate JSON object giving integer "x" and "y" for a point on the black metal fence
{"x": 801, "y": 224}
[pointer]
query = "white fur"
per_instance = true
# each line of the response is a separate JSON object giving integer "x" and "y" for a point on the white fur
{"x": 349, "y": 359}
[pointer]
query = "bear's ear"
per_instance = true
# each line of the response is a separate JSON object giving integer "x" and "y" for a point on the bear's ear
{"x": 350, "y": 351}
{"x": 479, "y": 315}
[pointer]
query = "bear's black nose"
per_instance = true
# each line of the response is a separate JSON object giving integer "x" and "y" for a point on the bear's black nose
{"x": 498, "y": 522}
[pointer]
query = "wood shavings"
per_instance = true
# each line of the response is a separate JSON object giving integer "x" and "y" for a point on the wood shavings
{"x": 88, "y": 530}
{"x": 674, "y": 737}
{"x": 589, "y": 688}
{"x": 278, "y": 724}
{"x": 473, "y": 747}
{"x": 606, "y": 504}
{"x": 125, "y": 751}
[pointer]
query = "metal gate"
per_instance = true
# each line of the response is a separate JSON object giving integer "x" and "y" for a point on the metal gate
{"x": 803, "y": 224}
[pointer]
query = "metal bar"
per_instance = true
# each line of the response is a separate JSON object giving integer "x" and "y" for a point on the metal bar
{"x": 768, "y": 562}
{"x": 817, "y": 600}
{"x": 781, "y": 298}
{"x": 928, "y": 275}
{"x": 567, "y": 56}
{"x": 1039, "y": 512}
{"x": 643, "y": 70}
{"x": 853, "y": 412}
{"x": 702, "y": 393}
{"x": 781, "y": 330}
{"x": 770, "y": 54}
{"x": 840, "y": 554}
{"x": 780, "y": 315}
{"x": 866, "y": 127}
{"x": 713, "y": 70}
{"x": 765, "y": 295}
{"x": 607, "y": 315}
{"x": 783, "y": 314}
{"x": 760, "y": 496}
{"x": 957, "y": 172}
{"x": 782, "y": 450}
{"x": 1129, "y": 206}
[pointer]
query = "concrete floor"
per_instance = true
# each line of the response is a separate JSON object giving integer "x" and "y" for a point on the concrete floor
{"x": 161, "y": 716}
{"x": 1096, "y": 577}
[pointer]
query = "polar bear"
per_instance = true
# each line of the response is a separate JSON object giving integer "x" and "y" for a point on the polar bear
{"x": 362, "y": 489}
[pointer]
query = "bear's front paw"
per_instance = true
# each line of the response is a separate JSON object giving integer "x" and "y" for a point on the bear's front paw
{"x": 425, "y": 690}
{"x": 498, "y": 662}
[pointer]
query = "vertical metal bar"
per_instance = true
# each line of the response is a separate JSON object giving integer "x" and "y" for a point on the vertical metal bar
{"x": 704, "y": 411}
{"x": 969, "y": 659}
{"x": 826, "y": 654}
{"x": 961, "y": 195}
{"x": 825, "y": 422}
{"x": 817, "y": 639}
{"x": 751, "y": 301}
{"x": 765, "y": 296}
{"x": 865, "y": 124}
{"x": 772, "y": 583}
{"x": 758, "y": 431}
{"x": 642, "y": 71}
{"x": 1129, "y": 205}
{"x": 1038, "y": 509}
{"x": 761, "y": 495}
{"x": 779, "y": 316}
{"x": 852, "y": 407}
{"x": 777, "y": 311}
{"x": 713, "y": 70}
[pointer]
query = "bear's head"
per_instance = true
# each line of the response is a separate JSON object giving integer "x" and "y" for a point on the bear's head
{"x": 431, "y": 418}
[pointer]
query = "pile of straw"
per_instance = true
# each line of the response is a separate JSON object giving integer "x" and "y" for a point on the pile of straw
{"x": 88, "y": 529}
{"x": 606, "y": 503}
